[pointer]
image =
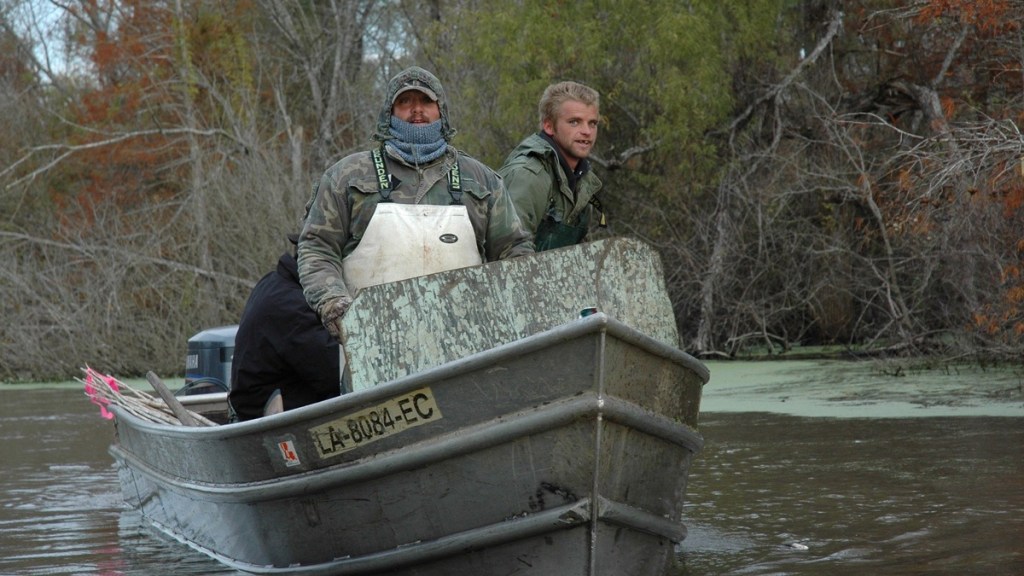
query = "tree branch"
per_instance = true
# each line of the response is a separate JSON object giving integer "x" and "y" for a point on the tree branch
{"x": 171, "y": 264}
{"x": 774, "y": 91}
{"x": 69, "y": 150}
{"x": 624, "y": 157}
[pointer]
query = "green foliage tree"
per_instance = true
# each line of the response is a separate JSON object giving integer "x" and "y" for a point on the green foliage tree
{"x": 670, "y": 76}
{"x": 660, "y": 70}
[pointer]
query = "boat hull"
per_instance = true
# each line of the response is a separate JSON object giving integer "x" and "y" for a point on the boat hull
{"x": 564, "y": 453}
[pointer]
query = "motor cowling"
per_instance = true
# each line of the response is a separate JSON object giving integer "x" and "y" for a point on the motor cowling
{"x": 208, "y": 361}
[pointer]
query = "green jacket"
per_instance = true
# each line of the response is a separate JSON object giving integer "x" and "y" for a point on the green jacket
{"x": 538, "y": 187}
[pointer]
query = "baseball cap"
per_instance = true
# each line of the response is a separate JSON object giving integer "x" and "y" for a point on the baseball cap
{"x": 415, "y": 85}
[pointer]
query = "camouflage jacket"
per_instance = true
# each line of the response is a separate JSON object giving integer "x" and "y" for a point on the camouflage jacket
{"x": 536, "y": 183}
{"x": 345, "y": 198}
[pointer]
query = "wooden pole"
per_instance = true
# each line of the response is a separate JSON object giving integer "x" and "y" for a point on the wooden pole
{"x": 176, "y": 407}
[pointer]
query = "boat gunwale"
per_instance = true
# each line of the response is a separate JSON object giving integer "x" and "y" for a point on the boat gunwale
{"x": 594, "y": 323}
{"x": 452, "y": 443}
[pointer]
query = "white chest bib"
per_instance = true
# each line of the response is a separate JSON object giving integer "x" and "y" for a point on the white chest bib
{"x": 407, "y": 240}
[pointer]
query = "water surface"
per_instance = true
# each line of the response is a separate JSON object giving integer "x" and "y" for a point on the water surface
{"x": 775, "y": 494}
{"x": 808, "y": 468}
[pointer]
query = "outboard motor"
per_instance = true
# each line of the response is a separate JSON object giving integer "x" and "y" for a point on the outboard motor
{"x": 208, "y": 362}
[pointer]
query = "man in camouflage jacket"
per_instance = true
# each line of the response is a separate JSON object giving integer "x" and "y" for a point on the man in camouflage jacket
{"x": 548, "y": 175}
{"x": 344, "y": 200}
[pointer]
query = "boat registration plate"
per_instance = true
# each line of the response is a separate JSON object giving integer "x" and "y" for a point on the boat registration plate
{"x": 390, "y": 417}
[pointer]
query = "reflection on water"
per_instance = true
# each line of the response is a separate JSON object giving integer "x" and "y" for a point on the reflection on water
{"x": 770, "y": 494}
{"x": 776, "y": 494}
{"x": 62, "y": 506}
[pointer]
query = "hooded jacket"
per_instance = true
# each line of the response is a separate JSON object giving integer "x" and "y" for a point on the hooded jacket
{"x": 344, "y": 200}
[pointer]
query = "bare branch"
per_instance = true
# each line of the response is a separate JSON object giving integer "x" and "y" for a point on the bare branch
{"x": 87, "y": 250}
{"x": 70, "y": 149}
{"x": 950, "y": 54}
{"x": 623, "y": 157}
{"x": 774, "y": 91}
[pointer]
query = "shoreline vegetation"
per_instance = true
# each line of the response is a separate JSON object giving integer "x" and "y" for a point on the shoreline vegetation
{"x": 814, "y": 382}
{"x": 802, "y": 181}
{"x": 890, "y": 361}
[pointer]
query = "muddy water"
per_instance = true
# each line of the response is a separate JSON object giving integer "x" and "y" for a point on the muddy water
{"x": 838, "y": 468}
{"x": 61, "y": 503}
{"x": 776, "y": 494}
{"x": 808, "y": 469}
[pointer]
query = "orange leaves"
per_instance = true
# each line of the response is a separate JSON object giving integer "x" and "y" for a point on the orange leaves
{"x": 1013, "y": 313}
{"x": 1014, "y": 200}
{"x": 1015, "y": 294}
{"x": 1005, "y": 318}
{"x": 124, "y": 158}
{"x": 1010, "y": 272}
{"x": 990, "y": 16}
{"x": 986, "y": 324}
{"x": 105, "y": 51}
{"x": 948, "y": 106}
{"x": 905, "y": 180}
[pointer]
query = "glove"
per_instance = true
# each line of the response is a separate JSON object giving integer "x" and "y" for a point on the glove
{"x": 331, "y": 317}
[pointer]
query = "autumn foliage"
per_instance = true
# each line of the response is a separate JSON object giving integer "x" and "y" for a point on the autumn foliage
{"x": 839, "y": 173}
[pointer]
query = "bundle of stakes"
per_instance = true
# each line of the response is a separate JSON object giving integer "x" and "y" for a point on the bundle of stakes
{"x": 104, "y": 391}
